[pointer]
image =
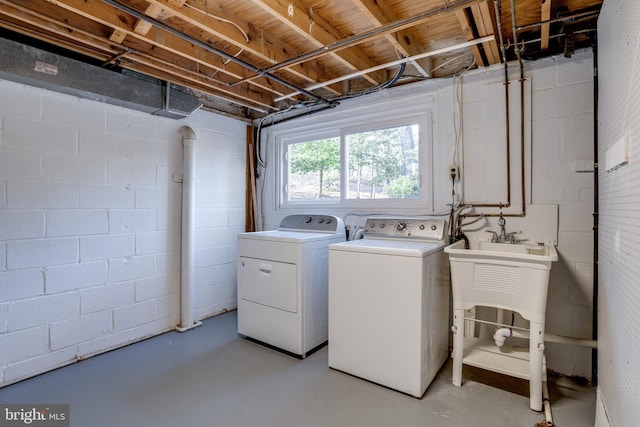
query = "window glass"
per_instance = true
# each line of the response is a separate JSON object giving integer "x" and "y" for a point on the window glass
{"x": 314, "y": 170}
{"x": 383, "y": 163}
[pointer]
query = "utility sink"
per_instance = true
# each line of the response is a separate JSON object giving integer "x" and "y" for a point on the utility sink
{"x": 516, "y": 251}
{"x": 503, "y": 275}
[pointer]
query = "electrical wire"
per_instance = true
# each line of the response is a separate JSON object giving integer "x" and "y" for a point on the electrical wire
{"x": 225, "y": 20}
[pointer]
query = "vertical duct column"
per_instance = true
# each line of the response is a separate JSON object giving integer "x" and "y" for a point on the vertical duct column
{"x": 187, "y": 263}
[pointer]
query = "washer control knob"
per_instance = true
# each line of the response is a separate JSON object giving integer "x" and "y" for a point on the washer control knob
{"x": 421, "y": 226}
{"x": 328, "y": 221}
{"x": 382, "y": 225}
{"x": 434, "y": 227}
{"x": 401, "y": 226}
{"x": 308, "y": 219}
{"x": 320, "y": 220}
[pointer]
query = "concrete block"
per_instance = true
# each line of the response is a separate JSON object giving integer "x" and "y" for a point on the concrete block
{"x": 226, "y": 272}
{"x": 160, "y": 153}
{"x": 547, "y": 140}
{"x": 581, "y": 291}
{"x": 214, "y": 309}
{"x": 168, "y": 306}
{"x": 134, "y": 315}
{"x": 132, "y": 220}
{"x": 154, "y": 328}
{"x": 72, "y": 111}
{"x": 77, "y": 222}
{"x": 132, "y": 268}
{"x": 3, "y": 192}
{"x": 41, "y": 310}
{"x": 227, "y": 236}
{"x": 104, "y": 146}
{"x": 577, "y": 131}
{"x": 106, "y": 196}
{"x": 41, "y": 195}
{"x": 41, "y": 252}
{"x": 170, "y": 219}
{"x": 20, "y": 284}
{"x": 107, "y": 246}
{"x": 74, "y": 331}
{"x": 571, "y": 71}
{"x": 65, "y": 168}
{"x": 211, "y": 256}
{"x": 25, "y": 100}
{"x": 131, "y": 123}
{"x": 3, "y": 256}
{"x": 18, "y": 224}
{"x": 576, "y": 246}
{"x": 125, "y": 171}
{"x": 158, "y": 241}
{"x": 204, "y": 197}
{"x": 18, "y": 164}
{"x": 168, "y": 262}
{"x": 236, "y": 218}
{"x": 576, "y": 217}
{"x": 204, "y": 238}
{"x": 215, "y": 293}
{"x": 39, "y": 136}
{"x": 205, "y": 276}
{"x": 75, "y": 276}
{"x": 208, "y": 218}
{"x": 21, "y": 345}
{"x": 157, "y": 286}
{"x": 105, "y": 343}
{"x": 159, "y": 198}
{"x": 108, "y": 296}
{"x": 39, "y": 364}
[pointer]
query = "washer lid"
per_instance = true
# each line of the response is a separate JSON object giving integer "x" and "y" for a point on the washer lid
{"x": 390, "y": 247}
{"x": 291, "y": 236}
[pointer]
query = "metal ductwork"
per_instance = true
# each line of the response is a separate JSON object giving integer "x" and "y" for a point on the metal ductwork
{"x": 35, "y": 67}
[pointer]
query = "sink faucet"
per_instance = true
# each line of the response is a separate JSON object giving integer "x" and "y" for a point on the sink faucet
{"x": 503, "y": 237}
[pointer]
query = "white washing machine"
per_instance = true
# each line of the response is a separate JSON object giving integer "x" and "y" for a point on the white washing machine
{"x": 389, "y": 304}
{"x": 282, "y": 282}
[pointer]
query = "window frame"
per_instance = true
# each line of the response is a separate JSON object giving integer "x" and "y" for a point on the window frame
{"x": 371, "y": 118}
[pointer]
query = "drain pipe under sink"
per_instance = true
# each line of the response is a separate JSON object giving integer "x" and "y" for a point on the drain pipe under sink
{"x": 187, "y": 262}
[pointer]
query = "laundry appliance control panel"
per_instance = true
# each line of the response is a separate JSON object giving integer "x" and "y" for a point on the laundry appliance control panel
{"x": 410, "y": 228}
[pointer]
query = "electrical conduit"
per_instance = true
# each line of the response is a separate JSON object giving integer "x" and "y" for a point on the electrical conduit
{"x": 187, "y": 263}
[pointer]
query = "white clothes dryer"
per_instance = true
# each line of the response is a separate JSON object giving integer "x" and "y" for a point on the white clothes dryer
{"x": 282, "y": 282}
{"x": 389, "y": 304}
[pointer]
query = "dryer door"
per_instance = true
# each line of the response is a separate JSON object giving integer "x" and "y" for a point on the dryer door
{"x": 269, "y": 283}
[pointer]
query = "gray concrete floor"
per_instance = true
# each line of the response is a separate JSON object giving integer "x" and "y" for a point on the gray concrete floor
{"x": 209, "y": 376}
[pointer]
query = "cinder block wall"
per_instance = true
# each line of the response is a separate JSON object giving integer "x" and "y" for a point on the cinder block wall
{"x": 90, "y": 225}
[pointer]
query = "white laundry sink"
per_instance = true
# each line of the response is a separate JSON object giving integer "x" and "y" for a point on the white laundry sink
{"x": 503, "y": 275}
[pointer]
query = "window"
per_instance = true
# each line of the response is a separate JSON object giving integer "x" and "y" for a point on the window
{"x": 367, "y": 161}
{"x": 383, "y": 163}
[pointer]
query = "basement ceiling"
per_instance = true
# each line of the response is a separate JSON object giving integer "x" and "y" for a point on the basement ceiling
{"x": 253, "y": 58}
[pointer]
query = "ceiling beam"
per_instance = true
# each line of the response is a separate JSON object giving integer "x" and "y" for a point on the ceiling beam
{"x": 380, "y": 13}
{"x": 545, "y": 15}
{"x": 250, "y": 41}
{"x": 161, "y": 42}
{"x": 316, "y": 30}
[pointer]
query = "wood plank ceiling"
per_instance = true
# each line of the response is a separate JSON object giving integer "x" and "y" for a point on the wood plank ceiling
{"x": 252, "y": 58}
